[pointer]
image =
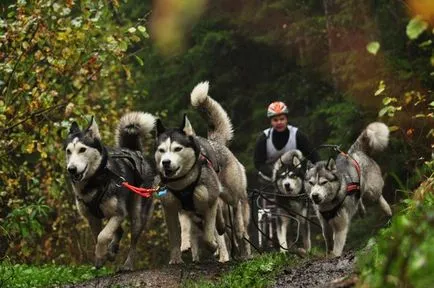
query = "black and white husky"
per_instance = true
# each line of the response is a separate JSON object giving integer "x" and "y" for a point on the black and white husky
{"x": 288, "y": 175}
{"x": 337, "y": 187}
{"x": 201, "y": 174}
{"x": 96, "y": 172}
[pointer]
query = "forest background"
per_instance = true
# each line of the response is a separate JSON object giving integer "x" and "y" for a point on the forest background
{"x": 338, "y": 64}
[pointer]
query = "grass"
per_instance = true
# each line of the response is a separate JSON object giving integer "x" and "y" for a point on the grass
{"x": 258, "y": 272}
{"x": 23, "y": 275}
{"x": 402, "y": 255}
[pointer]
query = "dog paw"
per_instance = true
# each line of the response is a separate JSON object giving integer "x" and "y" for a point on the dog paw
{"x": 99, "y": 262}
{"x": 176, "y": 261}
{"x": 332, "y": 255}
{"x": 224, "y": 258}
{"x": 125, "y": 268}
{"x": 211, "y": 246}
{"x": 185, "y": 247}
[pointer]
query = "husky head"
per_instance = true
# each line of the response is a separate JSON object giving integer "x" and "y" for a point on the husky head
{"x": 322, "y": 182}
{"x": 84, "y": 151}
{"x": 289, "y": 177}
{"x": 177, "y": 150}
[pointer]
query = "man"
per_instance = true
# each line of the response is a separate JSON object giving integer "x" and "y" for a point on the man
{"x": 278, "y": 139}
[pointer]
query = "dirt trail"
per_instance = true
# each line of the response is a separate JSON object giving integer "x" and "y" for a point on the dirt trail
{"x": 317, "y": 273}
{"x": 167, "y": 277}
{"x": 334, "y": 272}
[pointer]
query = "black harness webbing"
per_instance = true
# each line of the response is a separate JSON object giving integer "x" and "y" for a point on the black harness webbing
{"x": 105, "y": 175}
{"x": 330, "y": 214}
{"x": 185, "y": 195}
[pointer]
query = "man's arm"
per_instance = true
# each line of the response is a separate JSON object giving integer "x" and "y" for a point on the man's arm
{"x": 260, "y": 156}
{"x": 306, "y": 148}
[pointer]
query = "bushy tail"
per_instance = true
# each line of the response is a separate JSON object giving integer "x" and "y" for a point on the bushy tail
{"x": 373, "y": 139}
{"x": 221, "y": 126}
{"x": 132, "y": 129}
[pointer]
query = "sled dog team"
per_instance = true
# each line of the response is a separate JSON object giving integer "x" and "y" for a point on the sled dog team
{"x": 205, "y": 187}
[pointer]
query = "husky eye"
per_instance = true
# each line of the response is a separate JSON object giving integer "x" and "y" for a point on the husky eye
{"x": 323, "y": 182}
{"x": 82, "y": 150}
{"x": 68, "y": 151}
{"x": 177, "y": 149}
{"x": 311, "y": 183}
{"x": 161, "y": 150}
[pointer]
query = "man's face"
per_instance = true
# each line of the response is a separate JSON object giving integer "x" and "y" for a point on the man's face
{"x": 279, "y": 122}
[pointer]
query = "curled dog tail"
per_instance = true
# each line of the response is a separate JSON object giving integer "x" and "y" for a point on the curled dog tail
{"x": 132, "y": 129}
{"x": 373, "y": 139}
{"x": 221, "y": 130}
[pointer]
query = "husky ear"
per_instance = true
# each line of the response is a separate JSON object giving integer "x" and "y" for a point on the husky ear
{"x": 160, "y": 127}
{"x": 296, "y": 161}
{"x": 331, "y": 165}
{"x": 186, "y": 127}
{"x": 74, "y": 128}
{"x": 309, "y": 165}
{"x": 93, "y": 130}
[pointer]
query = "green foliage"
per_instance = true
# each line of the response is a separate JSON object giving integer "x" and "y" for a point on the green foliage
{"x": 259, "y": 272}
{"x": 402, "y": 255}
{"x": 415, "y": 27}
{"x": 59, "y": 61}
{"x": 373, "y": 47}
{"x": 27, "y": 276}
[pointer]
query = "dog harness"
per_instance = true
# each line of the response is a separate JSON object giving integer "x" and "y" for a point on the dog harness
{"x": 105, "y": 175}
{"x": 272, "y": 153}
{"x": 353, "y": 188}
{"x": 185, "y": 195}
{"x": 93, "y": 206}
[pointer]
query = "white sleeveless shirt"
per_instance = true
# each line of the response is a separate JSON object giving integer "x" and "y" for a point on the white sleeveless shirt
{"x": 272, "y": 153}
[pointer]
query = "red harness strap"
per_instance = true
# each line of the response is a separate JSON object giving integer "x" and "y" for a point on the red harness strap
{"x": 144, "y": 192}
{"x": 353, "y": 186}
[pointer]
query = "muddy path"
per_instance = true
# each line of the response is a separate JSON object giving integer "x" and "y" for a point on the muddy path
{"x": 167, "y": 277}
{"x": 332, "y": 272}
{"x": 335, "y": 272}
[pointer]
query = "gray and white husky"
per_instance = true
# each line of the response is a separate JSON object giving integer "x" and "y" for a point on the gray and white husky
{"x": 337, "y": 188}
{"x": 198, "y": 173}
{"x": 95, "y": 173}
{"x": 289, "y": 172}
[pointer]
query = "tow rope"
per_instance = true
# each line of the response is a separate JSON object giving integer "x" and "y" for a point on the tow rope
{"x": 144, "y": 192}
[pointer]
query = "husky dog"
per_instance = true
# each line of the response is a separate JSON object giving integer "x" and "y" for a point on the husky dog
{"x": 337, "y": 188}
{"x": 197, "y": 173}
{"x": 288, "y": 175}
{"x": 95, "y": 173}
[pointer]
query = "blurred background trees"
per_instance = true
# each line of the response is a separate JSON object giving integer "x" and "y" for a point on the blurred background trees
{"x": 335, "y": 63}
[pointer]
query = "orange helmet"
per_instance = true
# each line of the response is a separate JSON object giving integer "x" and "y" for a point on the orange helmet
{"x": 277, "y": 108}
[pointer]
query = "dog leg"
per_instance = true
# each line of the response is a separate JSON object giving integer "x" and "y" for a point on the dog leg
{"x": 340, "y": 237}
{"x": 283, "y": 241}
{"x": 223, "y": 250}
{"x": 185, "y": 231}
{"x": 194, "y": 234}
{"x": 95, "y": 225}
{"x": 113, "y": 248}
{"x": 201, "y": 202}
{"x": 171, "y": 207}
{"x": 362, "y": 209}
{"x": 327, "y": 232}
{"x": 305, "y": 230}
{"x": 104, "y": 237}
{"x": 220, "y": 220}
{"x": 385, "y": 206}
{"x": 246, "y": 220}
{"x": 140, "y": 214}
